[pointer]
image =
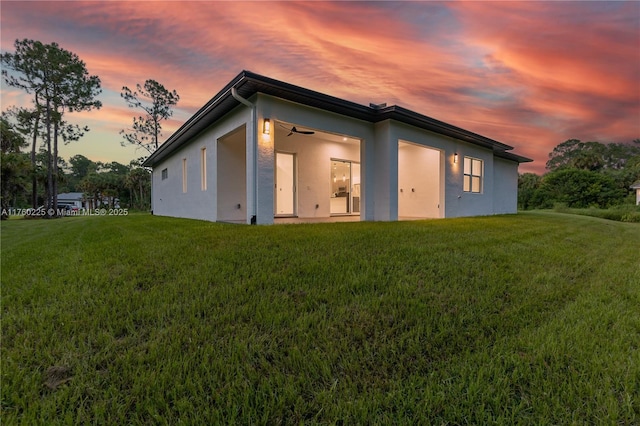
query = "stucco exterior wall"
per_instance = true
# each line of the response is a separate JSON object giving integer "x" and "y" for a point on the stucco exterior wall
{"x": 312, "y": 187}
{"x": 457, "y": 203}
{"x": 460, "y": 203}
{"x": 244, "y": 175}
{"x": 383, "y": 185}
{"x": 314, "y": 170}
{"x": 505, "y": 183}
{"x": 231, "y": 174}
{"x": 168, "y": 199}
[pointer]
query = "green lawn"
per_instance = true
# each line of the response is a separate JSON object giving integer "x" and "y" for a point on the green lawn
{"x": 526, "y": 319}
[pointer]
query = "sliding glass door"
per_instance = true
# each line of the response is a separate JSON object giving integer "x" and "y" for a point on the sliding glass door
{"x": 345, "y": 187}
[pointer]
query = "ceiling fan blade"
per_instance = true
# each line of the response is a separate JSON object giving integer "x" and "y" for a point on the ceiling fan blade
{"x": 295, "y": 130}
{"x": 302, "y": 132}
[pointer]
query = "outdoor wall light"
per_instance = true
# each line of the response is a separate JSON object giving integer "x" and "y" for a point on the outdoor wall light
{"x": 455, "y": 157}
{"x": 266, "y": 126}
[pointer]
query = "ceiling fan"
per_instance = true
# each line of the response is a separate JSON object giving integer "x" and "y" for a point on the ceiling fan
{"x": 294, "y": 130}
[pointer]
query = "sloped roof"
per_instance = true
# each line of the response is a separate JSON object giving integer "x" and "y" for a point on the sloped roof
{"x": 77, "y": 196}
{"x": 636, "y": 185}
{"x": 248, "y": 84}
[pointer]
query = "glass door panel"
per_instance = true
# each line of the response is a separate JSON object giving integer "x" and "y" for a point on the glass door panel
{"x": 345, "y": 187}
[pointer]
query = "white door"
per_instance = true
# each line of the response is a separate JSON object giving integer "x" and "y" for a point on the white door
{"x": 419, "y": 181}
{"x": 285, "y": 184}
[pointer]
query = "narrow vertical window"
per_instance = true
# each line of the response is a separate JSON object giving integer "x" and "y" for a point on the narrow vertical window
{"x": 165, "y": 174}
{"x": 203, "y": 169}
{"x": 184, "y": 175}
{"x": 472, "y": 175}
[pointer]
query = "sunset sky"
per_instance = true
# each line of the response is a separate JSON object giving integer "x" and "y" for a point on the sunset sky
{"x": 528, "y": 74}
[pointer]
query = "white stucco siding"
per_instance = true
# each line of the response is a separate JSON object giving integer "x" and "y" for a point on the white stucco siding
{"x": 313, "y": 184}
{"x": 458, "y": 202}
{"x": 291, "y": 112}
{"x": 505, "y": 180}
{"x": 383, "y": 187}
{"x": 231, "y": 175}
{"x": 168, "y": 198}
{"x": 392, "y": 156}
{"x": 314, "y": 170}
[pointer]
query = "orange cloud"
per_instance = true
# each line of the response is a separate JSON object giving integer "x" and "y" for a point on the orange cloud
{"x": 530, "y": 74}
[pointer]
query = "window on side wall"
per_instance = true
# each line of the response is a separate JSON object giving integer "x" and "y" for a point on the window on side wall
{"x": 184, "y": 175}
{"x": 203, "y": 169}
{"x": 473, "y": 169}
{"x": 165, "y": 174}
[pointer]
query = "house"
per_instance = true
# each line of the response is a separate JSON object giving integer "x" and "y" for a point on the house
{"x": 263, "y": 149}
{"x": 74, "y": 200}
{"x": 636, "y": 186}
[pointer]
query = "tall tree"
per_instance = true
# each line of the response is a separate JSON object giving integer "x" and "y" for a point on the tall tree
{"x": 14, "y": 165}
{"x": 156, "y": 102}
{"x": 81, "y": 166}
{"x": 138, "y": 182}
{"x": 28, "y": 122}
{"x": 593, "y": 156}
{"x": 528, "y": 183}
{"x": 578, "y": 188}
{"x": 60, "y": 83}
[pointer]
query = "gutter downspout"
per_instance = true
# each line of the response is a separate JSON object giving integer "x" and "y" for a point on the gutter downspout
{"x": 245, "y": 102}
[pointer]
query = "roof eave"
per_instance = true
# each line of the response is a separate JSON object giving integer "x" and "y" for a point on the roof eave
{"x": 511, "y": 156}
{"x": 175, "y": 138}
{"x": 422, "y": 121}
{"x": 248, "y": 84}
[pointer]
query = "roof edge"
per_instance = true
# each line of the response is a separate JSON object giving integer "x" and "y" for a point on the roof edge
{"x": 195, "y": 117}
{"x": 255, "y": 83}
{"x": 511, "y": 156}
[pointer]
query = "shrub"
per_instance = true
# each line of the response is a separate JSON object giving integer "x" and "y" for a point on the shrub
{"x": 578, "y": 189}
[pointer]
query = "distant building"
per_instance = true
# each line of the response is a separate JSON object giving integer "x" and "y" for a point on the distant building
{"x": 636, "y": 186}
{"x": 75, "y": 200}
{"x": 263, "y": 149}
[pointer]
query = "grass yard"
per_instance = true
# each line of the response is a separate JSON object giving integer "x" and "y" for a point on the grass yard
{"x": 622, "y": 213}
{"x": 526, "y": 319}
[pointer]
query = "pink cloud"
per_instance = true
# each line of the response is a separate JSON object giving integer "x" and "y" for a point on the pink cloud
{"x": 530, "y": 74}
{"x": 582, "y": 78}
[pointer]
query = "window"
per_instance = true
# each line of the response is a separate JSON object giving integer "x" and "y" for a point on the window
{"x": 472, "y": 175}
{"x": 184, "y": 175}
{"x": 165, "y": 174}
{"x": 203, "y": 169}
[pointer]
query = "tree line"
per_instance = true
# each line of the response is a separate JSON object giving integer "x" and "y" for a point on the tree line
{"x": 103, "y": 184}
{"x": 580, "y": 174}
{"x": 583, "y": 174}
{"x": 60, "y": 84}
